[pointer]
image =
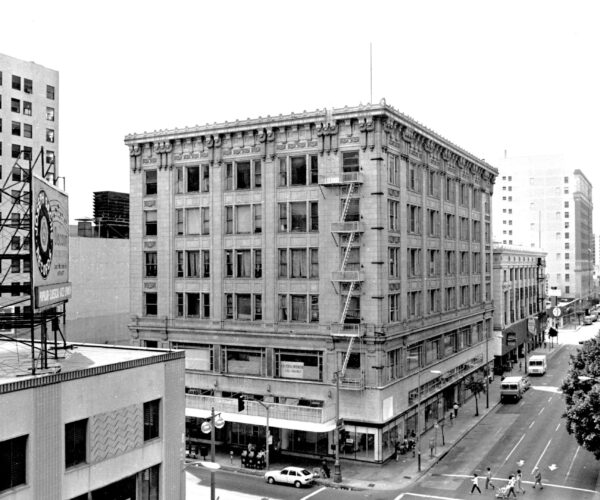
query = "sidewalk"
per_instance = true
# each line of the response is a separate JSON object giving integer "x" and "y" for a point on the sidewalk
{"x": 401, "y": 473}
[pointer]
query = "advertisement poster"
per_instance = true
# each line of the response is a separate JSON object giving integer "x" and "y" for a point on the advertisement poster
{"x": 50, "y": 235}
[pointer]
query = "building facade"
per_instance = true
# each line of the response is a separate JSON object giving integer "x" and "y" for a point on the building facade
{"x": 541, "y": 203}
{"x": 29, "y": 121}
{"x": 287, "y": 254}
{"x": 102, "y": 422}
{"x": 98, "y": 310}
{"x": 519, "y": 303}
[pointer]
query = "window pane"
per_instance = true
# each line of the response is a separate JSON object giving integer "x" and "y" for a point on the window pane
{"x": 244, "y": 221}
{"x": 298, "y": 173}
{"x": 193, "y": 221}
{"x": 298, "y": 216}
{"x": 243, "y": 175}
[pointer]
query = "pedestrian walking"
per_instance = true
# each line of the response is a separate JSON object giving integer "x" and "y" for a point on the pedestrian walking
{"x": 455, "y": 407}
{"x": 518, "y": 481}
{"x": 488, "y": 479}
{"x": 475, "y": 481}
{"x": 325, "y": 467}
{"x": 511, "y": 486}
{"x": 537, "y": 476}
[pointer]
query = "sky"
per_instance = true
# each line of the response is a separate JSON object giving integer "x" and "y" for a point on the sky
{"x": 521, "y": 77}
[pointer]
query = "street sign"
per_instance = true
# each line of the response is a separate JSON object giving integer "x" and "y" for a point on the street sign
{"x": 556, "y": 312}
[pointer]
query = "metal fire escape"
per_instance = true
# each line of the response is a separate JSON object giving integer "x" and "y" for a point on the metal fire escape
{"x": 347, "y": 280}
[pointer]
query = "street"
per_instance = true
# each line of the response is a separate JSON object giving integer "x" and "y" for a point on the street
{"x": 513, "y": 436}
{"x": 521, "y": 436}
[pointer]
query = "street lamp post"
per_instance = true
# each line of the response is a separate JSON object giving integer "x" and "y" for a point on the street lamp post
{"x": 215, "y": 421}
{"x": 337, "y": 468}
{"x": 268, "y": 434}
{"x": 487, "y": 369}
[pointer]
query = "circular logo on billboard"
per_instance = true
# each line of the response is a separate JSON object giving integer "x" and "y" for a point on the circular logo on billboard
{"x": 44, "y": 236}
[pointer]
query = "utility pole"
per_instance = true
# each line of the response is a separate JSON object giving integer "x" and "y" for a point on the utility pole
{"x": 337, "y": 469}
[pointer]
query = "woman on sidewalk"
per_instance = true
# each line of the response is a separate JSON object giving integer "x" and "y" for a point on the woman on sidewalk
{"x": 518, "y": 481}
{"x": 537, "y": 475}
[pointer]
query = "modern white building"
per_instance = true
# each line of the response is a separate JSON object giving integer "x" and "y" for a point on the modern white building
{"x": 101, "y": 422}
{"x": 543, "y": 203}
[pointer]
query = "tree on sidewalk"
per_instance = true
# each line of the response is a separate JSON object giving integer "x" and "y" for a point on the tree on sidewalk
{"x": 476, "y": 386}
{"x": 581, "y": 389}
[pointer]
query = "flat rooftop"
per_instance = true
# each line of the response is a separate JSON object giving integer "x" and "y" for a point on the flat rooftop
{"x": 76, "y": 361}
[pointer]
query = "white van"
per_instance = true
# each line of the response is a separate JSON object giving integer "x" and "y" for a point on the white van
{"x": 512, "y": 388}
{"x": 537, "y": 365}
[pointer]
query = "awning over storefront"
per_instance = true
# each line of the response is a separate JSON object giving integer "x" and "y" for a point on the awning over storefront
{"x": 262, "y": 420}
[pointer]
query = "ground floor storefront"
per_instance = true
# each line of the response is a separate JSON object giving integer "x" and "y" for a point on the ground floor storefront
{"x": 357, "y": 440}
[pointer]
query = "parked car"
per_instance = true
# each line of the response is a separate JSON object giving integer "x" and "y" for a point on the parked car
{"x": 290, "y": 475}
{"x": 588, "y": 320}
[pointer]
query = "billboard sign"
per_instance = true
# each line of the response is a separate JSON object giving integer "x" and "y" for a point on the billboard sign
{"x": 50, "y": 242}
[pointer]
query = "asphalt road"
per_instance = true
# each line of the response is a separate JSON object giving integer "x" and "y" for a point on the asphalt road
{"x": 521, "y": 436}
{"x": 512, "y": 436}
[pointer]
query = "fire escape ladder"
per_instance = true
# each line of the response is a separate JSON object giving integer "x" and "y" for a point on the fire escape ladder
{"x": 347, "y": 357}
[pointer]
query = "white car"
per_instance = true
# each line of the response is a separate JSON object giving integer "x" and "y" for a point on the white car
{"x": 290, "y": 475}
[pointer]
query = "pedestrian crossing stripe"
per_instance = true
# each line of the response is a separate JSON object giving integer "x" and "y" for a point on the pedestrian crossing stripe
{"x": 570, "y": 488}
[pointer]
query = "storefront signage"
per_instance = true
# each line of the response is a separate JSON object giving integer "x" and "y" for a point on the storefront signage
{"x": 292, "y": 369}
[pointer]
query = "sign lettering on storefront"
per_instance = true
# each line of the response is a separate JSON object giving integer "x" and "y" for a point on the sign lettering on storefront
{"x": 292, "y": 369}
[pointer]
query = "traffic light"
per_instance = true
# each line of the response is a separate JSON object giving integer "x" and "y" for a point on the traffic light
{"x": 241, "y": 403}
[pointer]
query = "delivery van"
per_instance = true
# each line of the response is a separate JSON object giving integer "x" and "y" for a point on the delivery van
{"x": 537, "y": 365}
{"x": 512, "y": 388}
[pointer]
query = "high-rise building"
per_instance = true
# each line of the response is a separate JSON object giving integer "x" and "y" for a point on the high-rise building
{"x": 29, "y": 121}
{"x": 321, "y": 265}
{"x": 542, "y": 203}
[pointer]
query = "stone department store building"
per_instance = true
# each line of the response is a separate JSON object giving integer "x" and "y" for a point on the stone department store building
{"x": 280, "y": 252}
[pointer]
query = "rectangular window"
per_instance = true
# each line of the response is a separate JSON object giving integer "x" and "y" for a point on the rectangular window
{"x": 283, "y": 308}
{"x": 242, "y": 263}
{"x": 298, "y": 308}
{"x": 151, "y": 304}
{"x": 180, "y": 265}
{"x": 15, "y": 105}
{"x": 16, "y": 82}
{"x": 413, "y": 181}
{"x": 433, "y": 187}
{"x": 76, "y": 443}
{"x": 257, "y": 173}
{"x": 228, "y": 220}
{"x": 450, "y": 190}
{"x": 205, "y": 220}
{"x": 314, "y": 215}
{"x": 243, "y": 360}
{"x": 229, "y": 263}
{"x": 314, "y": 308}
{"x": 27, "y": 131}
{"x": 414, "y": 219}
{"x": 193, "y": 179}
{"x": 151, "y": 187}
{"x": 193, "y": 305}
{"x": 179, "y": 221}
{"x": 228, "y": 306}
{"x": 205, "y": 178}
{"x": 283, "y": 273}
{"x": 283, "y": 223}
{"x": 150, "y": 223}
{"x": 180, "y": 308}
{"x": 243, "y": 175}
{"x": 15, "y": 265}
{"x": 464, "y": 195}
{"x": 49, "y": 114}
{"x": 393, "y": 170}
{"x": 257, "y": 210}
{"x": 193, "y": 263}
{"x": 394, "y": 262}
{"x": 414, "y": 262}
{"x": 298, "y": 171}
{"x": 228, "y": 176}
{"x": 206, "y": 305}
{"x": 243, "y": 304}
{"x": 414, "y": 304}
{"x": 206, "y": 263}
{"x": 314, "y": 262}
{"x": 464, "y": 228}
{"x": 394, "y": 307}
{"x": 314, "y": 169}
{"x": 50, "y": 92}
{"x": 151, "y": 419}
{"x": 433, "y": 222}
{"x": 282, "y": 172}
{"x": 257, "y": 263}
{"x": 49, "y": 135}
{"x": 151, "y": 265}
{"x": 27, "y": 108}
{"x": 13, "y": 462}
{"x": 298, "y": 257}
{"x": 393, "y": 215}
{"x": 16, "y": 128}
{"x": 298, "y": 216}
{"x": 450, "y": 226}
{"x": 450, "y": 298}
{"x": 192, "y": 221}
{"x": 243, "y": 221}
{"x": 350, "y": 162}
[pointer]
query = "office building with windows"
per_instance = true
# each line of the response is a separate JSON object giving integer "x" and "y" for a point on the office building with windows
{"x": 542, "y": 203}
{"x": 519, "y": 303}
{"x": 342, "y": 252}
{"x": 101, "y": 422}
{"x": 28, "y": 125}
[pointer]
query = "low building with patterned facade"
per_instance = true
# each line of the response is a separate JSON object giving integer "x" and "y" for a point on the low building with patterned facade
{"x": 101, "y": 422}
{"x": 285, "y": 254}
{"x": 519, "y": 303}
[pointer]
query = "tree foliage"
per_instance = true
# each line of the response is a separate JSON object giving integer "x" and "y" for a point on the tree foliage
{"x": 476, "y": 386}
{"x": 582, "y": 397}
